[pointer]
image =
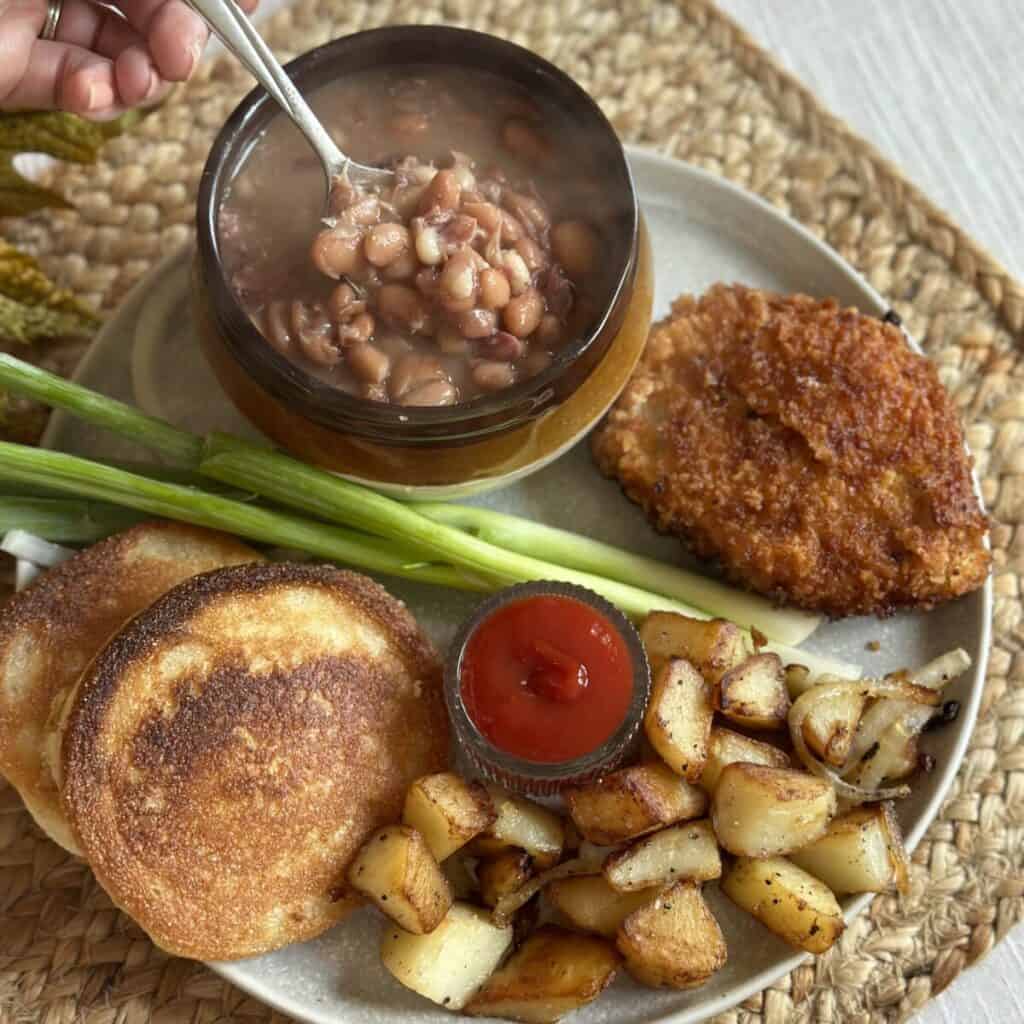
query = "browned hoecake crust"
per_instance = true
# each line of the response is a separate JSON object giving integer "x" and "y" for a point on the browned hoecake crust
{"x": 231, "y": 748}
{"x": 50, "y": 631}
{"x": 804, "y": 446}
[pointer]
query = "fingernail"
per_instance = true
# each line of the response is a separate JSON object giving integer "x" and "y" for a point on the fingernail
{"x": 195, "y": 55}
{"x": 100, "y": 95}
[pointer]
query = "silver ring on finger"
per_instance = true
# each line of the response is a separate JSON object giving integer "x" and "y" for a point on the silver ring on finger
{"x": 53, "y": 13}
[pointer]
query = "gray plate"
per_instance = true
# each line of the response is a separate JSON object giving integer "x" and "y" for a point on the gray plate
{"x": 704, "y": 230}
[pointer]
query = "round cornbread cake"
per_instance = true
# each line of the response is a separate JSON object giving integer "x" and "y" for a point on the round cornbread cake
{"x": 50, "y": 631}
{"x": 229, "y": 751}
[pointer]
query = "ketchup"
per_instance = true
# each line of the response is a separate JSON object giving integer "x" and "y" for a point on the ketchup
{"x": 547, "y": 679}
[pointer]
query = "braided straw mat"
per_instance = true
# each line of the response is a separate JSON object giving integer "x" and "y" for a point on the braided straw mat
{"x": 679, "y": 76}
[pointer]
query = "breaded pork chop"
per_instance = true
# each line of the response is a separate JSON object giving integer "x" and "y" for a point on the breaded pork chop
{"x": 803, "y": 446}
{"x": 51, "y": 631}
{"x": 233, "y": 746}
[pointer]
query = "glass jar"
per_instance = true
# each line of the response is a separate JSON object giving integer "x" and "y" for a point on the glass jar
{"x": 417, "y": 451}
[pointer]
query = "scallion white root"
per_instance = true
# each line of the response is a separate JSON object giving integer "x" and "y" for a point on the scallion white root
{"x": 27, "y": 546}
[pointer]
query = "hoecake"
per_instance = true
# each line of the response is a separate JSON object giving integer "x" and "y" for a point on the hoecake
{"x": 230, "y": 750}
{"x": 52, "y": 630}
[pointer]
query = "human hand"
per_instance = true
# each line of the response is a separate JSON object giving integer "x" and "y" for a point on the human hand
{"x": 102, "y": 61}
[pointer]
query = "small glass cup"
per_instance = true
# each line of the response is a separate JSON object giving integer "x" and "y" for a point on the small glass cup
{"x": 533, "y": 778}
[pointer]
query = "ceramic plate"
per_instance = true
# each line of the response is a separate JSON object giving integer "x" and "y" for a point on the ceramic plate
{"x": 703, "y": 230}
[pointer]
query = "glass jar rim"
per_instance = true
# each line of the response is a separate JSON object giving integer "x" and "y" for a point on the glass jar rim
{"x": 320, "y": 401}
{"x": 562, "y": 772}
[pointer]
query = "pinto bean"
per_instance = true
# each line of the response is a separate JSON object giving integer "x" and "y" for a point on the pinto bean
{"x": 357, "y": 330}
{"x": 575, "y": 245}
{"x": 491, "y": 375}
{"x": 368, "y": 363}
{"x": 522, "y": 315}
{"x": 487, "y": 215}
{"x": 477, "y": 323}
{"x": 401, "y": 305}
{"x": 549, "y": 331}
{"x": 427, "y": 240}
{"x": 411, "y": 371}
{"x": 450, "y": 341}
{"x": 338, "y": 251}
{"x": 530, "y": 212}
{"x": 276, "y": 325}
{"x": 535, "y": 258}
{"x": 364, "y": 212}
{"x": 344, "y": 303}
{"x": 314, "y": 333}
{"x": 384, "y": 243}
{"x": 458, "y": 281}
{"x": 494, "y": 289}
{"x": 503, "y": 347}
{"x": 523, "y": 140}
{"x": 443, "y": 193}
{"x": 402, "y": 268}
{"x": 433, "y": 392}
{"x": 516, "y": 271}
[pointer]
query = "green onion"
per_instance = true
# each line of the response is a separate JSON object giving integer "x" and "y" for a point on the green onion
{"x": 64, "y": 521}
{"x": 70, "y": 474}
{"x": 583, "y": 553}
{"x": 29, "y": 381}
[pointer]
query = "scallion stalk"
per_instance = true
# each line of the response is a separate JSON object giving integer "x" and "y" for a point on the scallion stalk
{"x": 63, "y": 520}
{"x": 317, "y": 492}
{"x": 83, "y": 478}
{"x": 29, "y": 381}
{"x": 583, "y": 553}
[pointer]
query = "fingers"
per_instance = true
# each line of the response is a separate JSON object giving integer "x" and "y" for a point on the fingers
{"x": 174, "y": 34}
{"x": 22, "y": 21}
{"x": 59, "y": 76}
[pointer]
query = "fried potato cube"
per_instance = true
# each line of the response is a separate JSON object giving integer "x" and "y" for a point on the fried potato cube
{"x": 763, "y": 812}
{"x": 590, "y": 903}
{"x": 726, "y": 747}
{"x": 679, "y": 716}
{"x": 503, "y": 874}
{"x": 395, "y": 869}
{"x": 450, "y": 963}
{"x": 861, "y": 851}
{"x": 631, "y": 802}
{"x": 521, "y": 824}
{"x": 754, "y": 693}
{"x": 687, "y": 851}
{"x": 713, "y": 646}
{"x": 787, "y": 900}
{"x": 674, "y": 941}
{"x": 553, "y": 973}
{"x": 447, "y": 811}
{"x": 830, "y": 726}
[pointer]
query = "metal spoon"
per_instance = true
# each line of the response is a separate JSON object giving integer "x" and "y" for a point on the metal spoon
{"x": 237, "y": 33}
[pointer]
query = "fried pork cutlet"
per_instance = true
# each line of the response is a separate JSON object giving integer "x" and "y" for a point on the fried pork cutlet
{"x": 803, "y": 446}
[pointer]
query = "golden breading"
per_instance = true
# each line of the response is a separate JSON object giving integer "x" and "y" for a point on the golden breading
{"x": 233, "y": 746}
{"x": 806, "y": 448}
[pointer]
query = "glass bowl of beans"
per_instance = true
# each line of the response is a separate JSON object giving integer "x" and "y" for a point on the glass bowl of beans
{"x": 462, "y": 325}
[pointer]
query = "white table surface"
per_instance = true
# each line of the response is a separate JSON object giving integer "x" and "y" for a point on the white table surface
{"x": 938, "y": 87}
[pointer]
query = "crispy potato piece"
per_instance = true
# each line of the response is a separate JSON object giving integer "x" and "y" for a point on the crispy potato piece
{"x": 861, "y": 851}
{"x": 763, "y": 812}
{"x": 687, "y": 851}
{"x": 726, "y": 747}
{"x": 395, "y": 869}
{"x": 503, "y": 874}
{"x": 521, "y": 824}
{"x": 553, "y": 973}
{"x": 631, "y": 802}
{"x": 674, "y": 941}
{"x": 447, "y": 811}
{"x": 786, "y": 900}
{"x": 679, "y": 716}
{"x": 450, "y": 963}
{"x": 798, "y": 679}
{"x": 754, "y": 694}
{"x": 714, "y": 646}
{"x": 830, "y": 726}
{"x": 460, "y": 879}
{"x": 592, "y": 904}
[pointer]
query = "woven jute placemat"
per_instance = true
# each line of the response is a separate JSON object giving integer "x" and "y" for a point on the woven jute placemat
{"x": 681, "y": 77}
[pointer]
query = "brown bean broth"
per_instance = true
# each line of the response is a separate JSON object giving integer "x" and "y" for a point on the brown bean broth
{"x": 273, "y": 209}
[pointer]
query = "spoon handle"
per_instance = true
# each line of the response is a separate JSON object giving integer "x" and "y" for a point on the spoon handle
{"x": 240, "y": 37}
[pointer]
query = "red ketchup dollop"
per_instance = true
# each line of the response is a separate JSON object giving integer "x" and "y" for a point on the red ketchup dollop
{"x": 547, "y": 679}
